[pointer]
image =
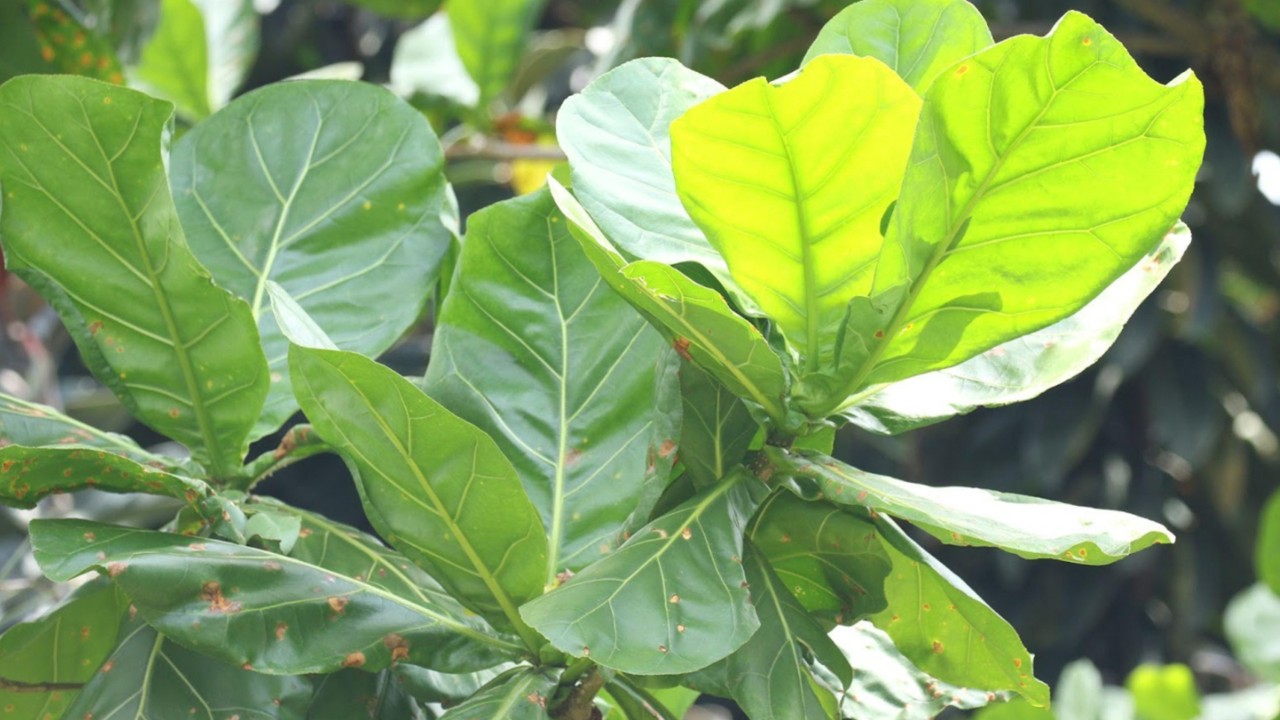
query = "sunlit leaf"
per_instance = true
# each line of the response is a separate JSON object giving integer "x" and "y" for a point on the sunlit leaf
{"x": 1165, "y": 692}
{"x": 349, "y": 694}
{"x": 490, "y": 37}
{"x": 1267, "y": 554}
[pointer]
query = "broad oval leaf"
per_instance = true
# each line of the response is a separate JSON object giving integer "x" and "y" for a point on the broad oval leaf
{"x": 916, "y": 38}
{"x": 84, "y": 162}
{"x": 700, "y": 324}
{"x": 717, "y": 428}
{"x": 36, "y": 425}
{"x": 175, "y": 61}
{"x": 672, "y": 599}
{"x": 149, "y": 676}
{"x": 436, "y": 487}
{"x": 274, "y": 613}
{"x": 790, "y": 184}
{"x": 1043, "y": 170}
{"x": 1025, "y": 367}
{"x": 945, "y": 629}
{"x": 616, "y": 133}
{"x": 59, "y": 652}
{"x": 30, "y": 473}
{"x": 829, "y": 559}
{"x": 349, "y": 694}
{"x": 536, "y": 350}
{"x": 490, "y": 38}
{"x": 521, "y": 693}
{"x": 331, "y": 189}
{"x": 1025, "y": 526}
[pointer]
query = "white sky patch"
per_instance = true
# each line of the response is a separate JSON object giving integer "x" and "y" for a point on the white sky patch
{"x": 1266, "y": 165}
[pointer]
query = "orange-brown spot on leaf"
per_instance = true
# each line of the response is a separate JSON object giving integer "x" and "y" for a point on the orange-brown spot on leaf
{"x": 962, "y": 70}
{"x": 354, "y": 659}
{"x": 90, "y": 536}
{"x": 680, "y": 628}
{"x": 108, "y": 666}
{"x": 667, "y": 448}
{"x": 398, "y": 646}
{"x": 94, "y": 327}
{"x": 272, "y": 566}
{"x": 305, "y": 532}
{"x": 1017, "y": 662}
{"x": 114, "y": 569}
{"x": 662, "y": 648}
{"x": 536, "y": 699}
{"x": 211, "y": 592}
{"x": 196, "y": 547}
{"x": 681, "y": 346}
{"x": 338, "y": 604}
{"x": 674, "y": 599}
{"x": 1087, "y": 41}
{"x": 571, "y": 457}
{"x": 687, "y": 534}
{"x": 937, "y": 647}
{"x": 281, "y": 629}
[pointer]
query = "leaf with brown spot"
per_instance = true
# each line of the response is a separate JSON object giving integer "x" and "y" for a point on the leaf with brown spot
{"x": 28, "y": 474}
{"x": 508, "y": 696}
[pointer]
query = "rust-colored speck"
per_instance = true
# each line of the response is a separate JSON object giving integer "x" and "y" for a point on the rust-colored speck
{"x": 962, "y": 70}
{"x": 937, "y": 647}
{"x": 211, "y": 592}
{"x": 108, "y": 666}
{"x": 667, "y": 448}
{"x": 687, "y": 534}
{"x": 674, "y": 599}
{"x": 398, "y": 646}
{"x": 681, "y": 345}
{"x": 338, "y": 604}
{"x": 1017, "y": 662}
{"x": 114, "y": 569}
{"x": 353, "y": 659}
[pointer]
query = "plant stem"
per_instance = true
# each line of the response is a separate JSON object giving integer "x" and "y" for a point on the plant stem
{"x": 36, "y": 687}
{"x": 579, "y": 705}
{"x": 636, "y": 702}
{"x": 300, "y": 443}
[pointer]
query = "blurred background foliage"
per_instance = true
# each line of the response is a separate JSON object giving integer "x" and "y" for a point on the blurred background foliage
{"x": 1178, "y": 422}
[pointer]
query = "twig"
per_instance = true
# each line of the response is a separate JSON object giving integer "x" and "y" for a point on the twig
{"x": 488, "y": 149}
{"x": 579, "y": 705}
{"x": 36, "y": 687}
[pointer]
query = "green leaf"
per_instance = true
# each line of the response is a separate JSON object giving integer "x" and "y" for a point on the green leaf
{"x": 1267, "y": 555}
{"x": 426, "y": 62}
{"x": 698, "y": 321}
{"x": 62, "y": 648}
{"x": 149, "y": 676}
{"x": 407, "y": 9}
{"x": 447, "y": 689}
{"x": 886, "y": 684}
{"x": 34, "y": 425}
{"x": 945, "y": 629}
{"x": 1015, "y": 709}
{"x": 519, "y": 694}
{"x": 1043, "y": 170}
{"x": 332, "y": 189}
{"x": 770, "y": 676}
{"x": 717, "y": 429}
{"x": 1078, "y": 695}
{"x": 916, "y": 38}
{"x": 28, "y": 474}
{"x": 1024, "y": 367}
{"x": 1165, "y": 692}
{"x": 1025, "y": 526}
{"x": 436, "y": 487}
{"x": 1251, "y": 622}
{"x": 533, "y": 348}
{"x": 829, "y": 559}
{"x": 349, "y": 694}
{"x": 792, "y": 194}
{"x": 84, "y": 163}
{"x": 175, "y": 63}
{"x": 295, "y": 323}
{"x": 277, "y": 614}
{"x": 490, "y": 37}
{"x": 616, "y": 135}
{"x": 233, "y": 35}
{"x": 672, "y": 599}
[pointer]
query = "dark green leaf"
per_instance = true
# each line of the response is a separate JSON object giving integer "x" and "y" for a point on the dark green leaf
{"x": 490, "y": 38}
{"x": 274, "y": 613}
{"x": 538, "y": 352}
{"x": 717, "y": 430}
{"x": 829, "y": 559}
{"x": 1267, "y": 555}
{"x": 34, "y": 425}
{"x": 350, "y": 694}
{"x": 521, "y": 693}
{"x": 916, "y": 38}
{"x": 945, "y": 629}
{"x": 672, "y": 599}
{"x": 770, "y": 676}
{"x": 84, "y": 163}
{"x": 332, "y": 189}
{"x": 1025, "y": 526}
{"x": 149, "y": 677}
{"x": 64, "y": 648}
{"x": 28, "y": 474}
{"x": 435, "y": 486}
{"x": 447, "y": 689}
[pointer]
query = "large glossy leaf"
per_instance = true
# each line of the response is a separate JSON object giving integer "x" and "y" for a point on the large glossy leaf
{"x": 1251, "y": 623}
{"x": 829, "y": 559}
{"x": 917, "y": 38}
{"x": 770, "y": 676}
{"x": 149, "y": 677}
{"x": 717, "y": 427}
{"x": 1024, "y": 367}
{"x": 616, "y": 135}
{"x": 175, "y": 63}
{"x": 945, "y": 629}
{"x": 83, "y": 162}
{"x": 886, "y": 684}
{"x": 1025, "y": 526}
{"x": 790, "y": 183}
{"x": 436, "y": 487}
{"x": 521, "y": 693}
{"x": 331, "y": 189}
{"x": 1267, "y": 554}
{"x": 490, "y": 37}
{"x": 350, "y": 694}
{"x": 1043, "y": 170}
{"x": 34, "y": 425}
{"x": 30, "y": 473}
{"x": 672, "y": 599}
{"x": 274, "y": 613}
{"x": 698, "y": 321}
{"x": 43, "y": 662}
{"x": 536, "y": 350}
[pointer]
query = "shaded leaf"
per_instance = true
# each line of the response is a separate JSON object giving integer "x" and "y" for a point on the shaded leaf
{"x": 672, "y": 599}
{"x": 697, "y": 320}
{"x": 519, "y": 694}
{"x": 64, "y": 648}
{"x": 1025, "y": 367}
{"x": 437, "y": 487}
{"x": 67, "y": 45}
{"x": 447, "y": 689}
{"x": 149, "y": 677}
{"x": 1025, "y": 526}
{"x": 538, "y": 352}
{"x": 332, "y": 189}
{"x": 948, "y": 631}
{"x": 916, "y": 38}
{"x": 792, "y": 195}
{"x": 274, "y": 613}
{"x": 717, "y": 428}
{"x": 829, "y": 559}
{"x": 35, "y": 425}
{"x": 490, "y": 38}
{"x": 84, "y": 162}
{"x": 349, "y": 694}
{"x": 28, "y": 474}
